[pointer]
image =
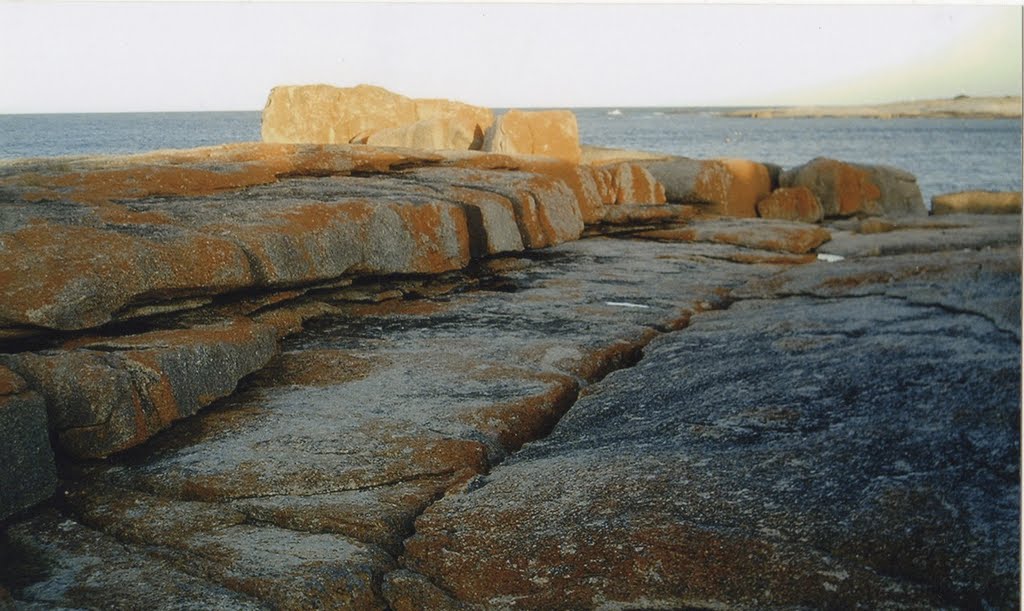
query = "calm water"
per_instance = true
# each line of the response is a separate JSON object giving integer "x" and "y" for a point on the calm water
{"x": 945, "y": 154}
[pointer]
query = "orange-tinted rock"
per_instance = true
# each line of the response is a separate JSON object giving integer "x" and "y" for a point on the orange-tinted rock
{"x": 430, "y": 134}
{"x": 371, "y": 115}
{"x": 633, "y": 184}
{"x": 848, "y": 189}
{"x": 632, "y": 215}
{"x": 67, "y": 276}
{"x": 733, "y": 186}
{"x": 778, "y": 236}
{"x": 331, "y": 115}
{"x": 729, "y": 187}
{"x": 792, "y": 204}
{"x": 549, "y": 133}
{"x": 977, "y": 202}
{"x": 107, "y": 395}
{"x": 474, "y": 121}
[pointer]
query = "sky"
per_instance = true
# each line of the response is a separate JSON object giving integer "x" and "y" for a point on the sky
{"x": 178, "y": 56}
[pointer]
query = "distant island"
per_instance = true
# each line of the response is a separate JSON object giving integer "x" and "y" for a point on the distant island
{"x": 965, "y": 107}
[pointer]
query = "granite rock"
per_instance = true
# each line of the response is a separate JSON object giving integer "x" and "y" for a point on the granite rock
{"x": 849, "y": 189}
{"x": 547, "y": 133}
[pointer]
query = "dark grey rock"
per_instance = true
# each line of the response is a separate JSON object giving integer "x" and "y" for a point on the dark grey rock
{"x": 28, "y": 475}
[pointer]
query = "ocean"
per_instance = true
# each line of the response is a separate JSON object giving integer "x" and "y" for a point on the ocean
{"x": 945, "y": 154}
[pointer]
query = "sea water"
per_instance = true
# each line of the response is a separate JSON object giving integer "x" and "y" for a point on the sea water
{"x": 945, "y": 154}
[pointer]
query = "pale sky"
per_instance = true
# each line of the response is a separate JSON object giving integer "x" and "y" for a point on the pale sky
{"x": 150, "y": 56}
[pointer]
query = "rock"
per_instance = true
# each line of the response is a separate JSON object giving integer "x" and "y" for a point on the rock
{"x": 810, "y": 479}
{"x": 633, "y": 184}
{"x": 322, "y": 114}
{"x": 430, "y": 134}
{"x": 87, "y": 569}
{"x": 779, "y": 236}
{"x": 792, "y": 204}
{"x": 107, "y": 395}
{"x": 849, "y": 189}
{"x": 977, "y": 202}
{"x": 729, "y": 187}
{"x": 548, "y": 133}
{"x": 119, "y": 242}
{"x": 601, "y": 156}
{"x": 635, "y": 215}
{"x": 465, "y": 118}
{"x": 872, "y": 238}
{"x": 28, "y": 475}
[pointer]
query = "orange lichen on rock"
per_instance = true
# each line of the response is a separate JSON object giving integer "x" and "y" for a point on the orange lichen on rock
{"x": 69, "y": 277}
{"x": 441, "y": 235}
{"x": 791, "y": 204}
{"x": 732, "y": 187}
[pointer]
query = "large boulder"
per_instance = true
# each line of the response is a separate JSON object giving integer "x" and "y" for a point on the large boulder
{"x": 550, "y": 133}
{"x": 792, "y": 204}
{"x": 366, "y": 114}
{"x": 331, "y": 115}
{"x": 977, "y": 202}
{"x": 28, "y": 475}
{"x": 850, "y": 189}
{"x": 729, "y": 187}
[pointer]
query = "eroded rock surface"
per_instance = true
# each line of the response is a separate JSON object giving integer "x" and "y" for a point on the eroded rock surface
{"x": 852, "y": 443}
{"x": 414, "y": 344}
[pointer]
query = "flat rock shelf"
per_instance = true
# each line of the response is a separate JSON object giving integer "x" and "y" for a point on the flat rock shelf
{"x": 542, "y": 387}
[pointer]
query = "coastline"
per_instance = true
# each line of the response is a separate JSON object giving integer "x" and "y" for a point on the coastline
{"x": 1007, "y": 107}
{"x": 345, "y": 375}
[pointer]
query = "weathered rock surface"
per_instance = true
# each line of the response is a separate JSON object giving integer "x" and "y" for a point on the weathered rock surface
{"x": 922, "y": 235}
{"x": 548, "y": 133}
{"x": 757, "y": 459}
{"x": 104, "y": 395}
{"x": 849, "y": 189}
{"x": 792, "y": 204}
{"x": 322, "y": 114}
{"x": 729, "y": 187}
{"x": 28, "y": 475}
{"x": 842, "y": 434}
{"x": 781, "y": 236}
{"x": 318, "y": 467}
{"x": 977, "y": 202}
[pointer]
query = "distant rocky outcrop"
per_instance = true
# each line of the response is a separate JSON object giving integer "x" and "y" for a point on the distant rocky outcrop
{"x": 960, "y": 107}
{"x": 978, "y": 202}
